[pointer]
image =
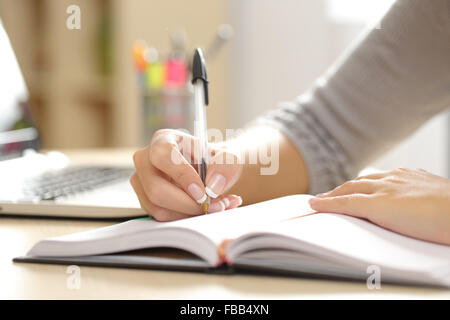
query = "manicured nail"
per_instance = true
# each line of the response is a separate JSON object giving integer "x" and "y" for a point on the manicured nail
{"x": 217, "y": 206}
{"x": 235, "y": 202}
{"x": 216, "y": 185}
{"x": 197, "y": 193}
{"x": 226, "y": 202}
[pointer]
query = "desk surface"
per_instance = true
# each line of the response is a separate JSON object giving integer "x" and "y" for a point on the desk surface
{"x": 38, "y": 281}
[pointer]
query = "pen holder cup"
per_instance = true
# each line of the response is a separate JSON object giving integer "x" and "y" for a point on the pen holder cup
{"x": 166, "y": 108}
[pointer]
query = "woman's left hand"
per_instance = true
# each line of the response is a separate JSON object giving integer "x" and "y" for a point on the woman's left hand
{"x": 412, "y": 202}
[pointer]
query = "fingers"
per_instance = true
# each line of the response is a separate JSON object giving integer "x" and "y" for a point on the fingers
{"x": 398, "y": 171}
{"x": 164, "y": 214}
{"x": 357, "y": 205}
{"x": 156, "y": 212}
{"x": 140, "y": 193}
{"x": 162, "y": 192}
{"x": 373, "y": 176}
{"x": 165, "y": 155}
{"x": 351, "y": 198}
{"x": 225, "y": 203}
{"x": 223, "y": 172}
{"x": 167, "y": 183}
{"x": 234, "y": 201}
{"x": 365, "y": 186}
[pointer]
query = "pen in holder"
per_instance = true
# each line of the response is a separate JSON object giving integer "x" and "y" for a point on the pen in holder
{"x": 166, "y": 94}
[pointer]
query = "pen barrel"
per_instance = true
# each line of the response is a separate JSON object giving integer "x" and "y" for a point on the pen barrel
{"x": 200, "y": 129}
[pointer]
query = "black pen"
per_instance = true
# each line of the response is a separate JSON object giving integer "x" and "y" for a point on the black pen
{"x": 201, "y": 100}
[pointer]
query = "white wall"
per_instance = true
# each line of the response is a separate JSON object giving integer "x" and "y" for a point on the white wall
{"x": 281, "y": 47}
{"x": 426, "y": 149}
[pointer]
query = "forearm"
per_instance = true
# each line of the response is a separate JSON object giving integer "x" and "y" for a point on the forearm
{"x": 383, "y": 88}
{"x": 272, "y": 166}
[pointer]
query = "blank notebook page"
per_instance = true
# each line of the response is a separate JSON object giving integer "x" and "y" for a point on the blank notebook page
{"x": 363, "y": 241}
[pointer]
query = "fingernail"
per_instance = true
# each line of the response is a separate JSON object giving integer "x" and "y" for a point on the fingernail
{"x": 321, "y": 195}
{"x": 235, "y": 202}
{"x": 216, "y": 185}
{"x": 217, "y": 206}
{"x": 226, "y": 202}
{"x": 197, "y": 193}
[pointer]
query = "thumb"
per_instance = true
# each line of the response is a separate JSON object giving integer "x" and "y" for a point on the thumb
{"x": 224, "y": 170}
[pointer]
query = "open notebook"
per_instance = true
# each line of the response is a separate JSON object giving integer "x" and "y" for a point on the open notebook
{"x": 281, "y": 236}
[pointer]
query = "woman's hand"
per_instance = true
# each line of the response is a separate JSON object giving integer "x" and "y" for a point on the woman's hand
{"x": 168, "y": 185}
{"x": 412, "y": 202}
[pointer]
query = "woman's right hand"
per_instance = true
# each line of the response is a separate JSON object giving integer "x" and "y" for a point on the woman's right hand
{"x": 166, "y": 181}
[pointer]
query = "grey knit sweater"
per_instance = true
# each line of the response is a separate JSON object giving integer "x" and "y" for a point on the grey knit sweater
{"x": 389, "y": 83}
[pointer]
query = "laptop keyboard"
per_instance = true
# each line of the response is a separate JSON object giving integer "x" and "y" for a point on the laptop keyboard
{"x": 73, "y": 180}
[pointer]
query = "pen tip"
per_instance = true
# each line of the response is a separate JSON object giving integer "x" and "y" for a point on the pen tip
{"x": 205, "y": 206}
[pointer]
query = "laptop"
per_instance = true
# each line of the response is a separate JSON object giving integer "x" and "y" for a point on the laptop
{"x": 46, "y": 184}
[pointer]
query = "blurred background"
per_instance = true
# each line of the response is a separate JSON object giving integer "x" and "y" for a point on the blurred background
{"x": 87, "y": 89}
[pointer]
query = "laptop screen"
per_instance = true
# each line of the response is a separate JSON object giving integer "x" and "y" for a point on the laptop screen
{"x": 17, "y": 131}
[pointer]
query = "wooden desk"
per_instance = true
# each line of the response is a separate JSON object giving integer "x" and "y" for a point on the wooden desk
{"x": 35, "y": 281}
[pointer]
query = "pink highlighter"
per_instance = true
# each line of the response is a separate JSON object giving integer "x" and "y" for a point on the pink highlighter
{"x": 176, "y": 73}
